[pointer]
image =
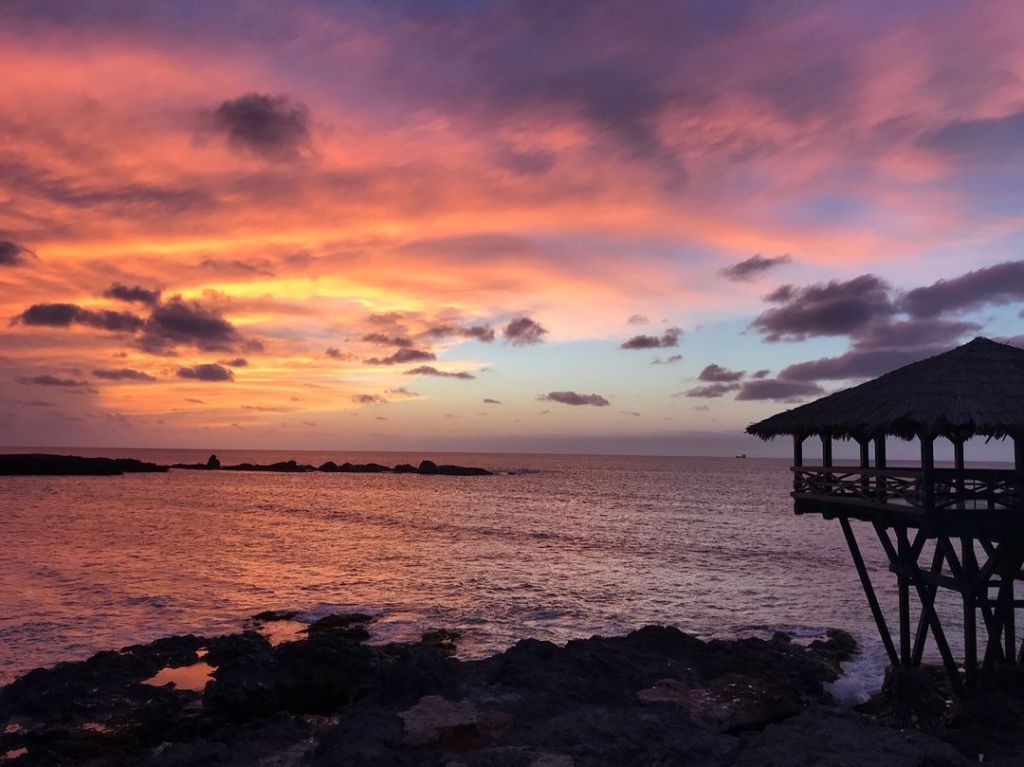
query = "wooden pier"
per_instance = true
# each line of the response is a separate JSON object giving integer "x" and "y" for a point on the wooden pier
{"x": 958, "y": 528}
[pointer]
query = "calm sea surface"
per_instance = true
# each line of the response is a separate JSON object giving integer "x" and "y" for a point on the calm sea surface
{"x": 567, "y": 546}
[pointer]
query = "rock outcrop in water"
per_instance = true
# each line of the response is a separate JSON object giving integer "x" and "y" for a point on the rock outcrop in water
{"x": 56, "y": 465}
{"x": 654, "y": 697}
{"x": 425, "y": 467}
{"x": 46, "y": 464}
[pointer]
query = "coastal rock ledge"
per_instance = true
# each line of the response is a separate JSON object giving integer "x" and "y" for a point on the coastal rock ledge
{"x": 654, "y": 697}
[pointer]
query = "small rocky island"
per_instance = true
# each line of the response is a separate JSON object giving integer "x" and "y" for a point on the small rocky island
{"x": 425, "y": 467}
{"x": 44, "y": 464}
{"x": 55, "y": 465}
{"x": 655, "y": 697}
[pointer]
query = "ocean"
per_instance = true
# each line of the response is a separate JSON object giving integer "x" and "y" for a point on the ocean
{"x": 553, "y": 547}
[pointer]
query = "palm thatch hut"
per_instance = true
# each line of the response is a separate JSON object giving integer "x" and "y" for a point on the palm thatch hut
{"x": 958, "y": 528}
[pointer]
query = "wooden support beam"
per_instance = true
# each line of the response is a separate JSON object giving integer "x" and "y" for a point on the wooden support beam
{"x": 921, "y": 635}
{"x": 869, "y": 591}
{"x": 928, "y": 610}
{"x": 798, "y": 449}
{"x": 969, "y": 561}
{"x": 826, "y": 449}
{"x": 903, "y": 586}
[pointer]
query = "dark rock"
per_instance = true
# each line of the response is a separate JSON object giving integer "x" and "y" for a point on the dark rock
{"x": 405, "y": 468}
{"x": 280, "y": 466}
{"x": 832, "y": 737}
{"x": 213, "y": 462}
{"x": 275, "y": 615}
{"x": 429, "y": 467}
{"x": 363, "y": 468}
{"x": 351, "y": 625}
{"x": 444, "y": 641}
{"x": 654, "y": 697}
{"x": 327, "y": 466}
{"x": 54, "y": 465}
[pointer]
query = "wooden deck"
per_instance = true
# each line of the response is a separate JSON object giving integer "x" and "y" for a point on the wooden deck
{"x": 978, "y": 502}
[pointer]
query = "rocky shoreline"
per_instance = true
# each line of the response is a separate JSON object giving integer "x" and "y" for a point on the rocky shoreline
{"x": 44, "y": 464}
{"x": 655, "y": 697}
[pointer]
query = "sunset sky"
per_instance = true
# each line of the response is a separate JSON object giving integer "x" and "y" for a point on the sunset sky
{"x": 492, "y": 225}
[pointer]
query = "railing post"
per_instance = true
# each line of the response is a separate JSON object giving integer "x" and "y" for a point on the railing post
{"x": 958, "y": 472}
{"x": 865, "y": 464}
{"x": 1018, "y": 467}
{"x": 798, "y": 461}
{"x": 826, "y": 461}
{"x": 928, "y": 472}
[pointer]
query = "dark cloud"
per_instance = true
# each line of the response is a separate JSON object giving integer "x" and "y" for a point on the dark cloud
{"x": 526, "y": 163}
{"x": 719, "y": 374}
{"x": 134, "y": 294}
{"x": 206, "y": 372}
{"x": 337, "y": 354}
{"x": 712, "y": 391}
{"x": 65, "y": 315}
{"x": 668, "y": 339}
{"x": 49, "y": 380}
{"x": 672, "y": 360}
{"x": 573, "y": 398}
{"x": 237, "y": 362}
{"x": 187, "y": 322}
{"x": 272, "y": 127}
{"x": 401, "y": 391}
{"x": 368, "y": 399}
{"x": 827, "y": 309}
{"x": 638, "y": 319}
{"x": 781, "y": 294}
{"x": 402, "y": 357}
{"x": 523, "y": 332}
{"x": 382, "y": 339}
{"x": 489, "y": 401}
{"x": 122, "y": 374}
{"x": 428, "y": 370}
{"x": 998, "y": 284}
{"x": 483, "y": 333}
{"x": 762, "y": 373}
{"x": 913, "y": 333}
{"x": 856, "y": 363}
{"x": 753, "y": 267}
{"x": 777, "y": 390}
{"x": 259, "y": 267}
{"x": 985, "y": 140}
{"x": 13, "y": 254}
{"x": 125, "y": 201}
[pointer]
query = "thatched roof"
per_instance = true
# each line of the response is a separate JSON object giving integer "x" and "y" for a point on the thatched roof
{"x": 977, "y": 388}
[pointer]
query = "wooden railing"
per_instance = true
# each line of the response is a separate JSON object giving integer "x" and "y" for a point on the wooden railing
{"x": 970, "y": 489}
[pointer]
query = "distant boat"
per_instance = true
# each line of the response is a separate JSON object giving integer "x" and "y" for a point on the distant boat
{"x": 742, "y": 455}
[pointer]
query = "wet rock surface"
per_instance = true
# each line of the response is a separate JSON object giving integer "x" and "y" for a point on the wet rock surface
{"x": 654, "y": 697}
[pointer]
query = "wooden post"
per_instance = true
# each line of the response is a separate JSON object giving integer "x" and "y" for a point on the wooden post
{"x": 865, "y": 464}
{"x": 928, "y": 472}
{"x": 880, "y": 461}
{"x": 798, "y": 449}
{"x": 826, "y": 449}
